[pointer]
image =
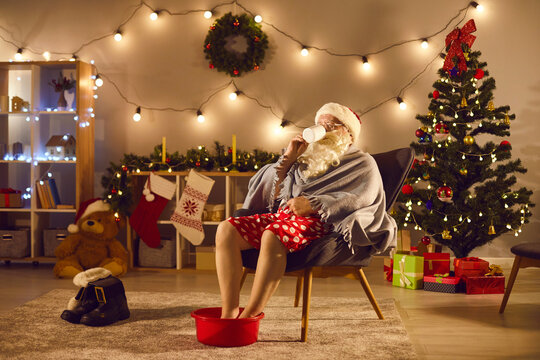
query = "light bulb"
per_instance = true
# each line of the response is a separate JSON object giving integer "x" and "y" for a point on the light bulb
{"x": 424, "y": 44}
{"x": 365, "y": 63}
{"x": 207, "y": 14}
{"x": 233, "y": 96}
{"x": 47, "y": 55}
{"x": 257, "y": 18}
{"x": 99, "y": 81}
{"x": 401, "y": 103}
{"x": 18, "y": 54}
{"x": 200, "y": 116}
{"x": 304, "y": 51}
{"x": 73, "y": 57}
{"x": 118, "y": 36}
{"x": 477, "y": 6}
{"x": 154, "y": 16}
{"x": 137, "y": 115}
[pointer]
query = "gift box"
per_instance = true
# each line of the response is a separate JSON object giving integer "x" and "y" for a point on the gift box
{"x": 484, "y": 284}
{"x": 470, "y": 266}
{"x": 403, "y": 242}
{"x": 443, "y": 283}
{"x": 214, "y": 212}
{"x": 10, "y": 198}
{"x": 408, "y": 271}
{"x": 436, "y": 263}
{"x": 388, "y": 268}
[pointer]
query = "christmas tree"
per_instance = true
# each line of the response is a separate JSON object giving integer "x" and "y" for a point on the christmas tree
{"x": 460, "y": 192}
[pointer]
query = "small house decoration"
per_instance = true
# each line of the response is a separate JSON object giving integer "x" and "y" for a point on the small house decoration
{"x": 61, "y": 146}
{"x": 16, "y": 104}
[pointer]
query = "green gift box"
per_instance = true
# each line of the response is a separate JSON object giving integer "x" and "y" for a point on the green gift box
{"x": 408, "y": 271}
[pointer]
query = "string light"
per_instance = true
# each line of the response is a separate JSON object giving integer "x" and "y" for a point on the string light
{"x": 200, "y": 116}
{"x": 98, "y": 81}
{"x": 73, "y": 57}
{"x": 18, "y": 54}
{"x": 304, "y": 51}
{"x": 257, "y": 18}
{"x": 47, "y": 55}
{"x": 477, "y": 6}
{"x": 234, "y": 95}
{"x": 118, "y": 35}
{"x": 365, "y": 64}
{"x": 207, "y": 14}
{"x": 154, "y": 15}
{"x": 401, "y": 103}
{"x": 424, "y": 44}
{"x": 137, "y": 115}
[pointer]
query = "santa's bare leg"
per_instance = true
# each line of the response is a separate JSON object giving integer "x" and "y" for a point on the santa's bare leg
{"x": 229, "y": 244}
{"x": 270, "y": 270}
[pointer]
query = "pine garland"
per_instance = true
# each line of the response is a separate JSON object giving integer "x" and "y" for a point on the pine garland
{"x": 234, "y": 64}
{"x": 117, "y": 181}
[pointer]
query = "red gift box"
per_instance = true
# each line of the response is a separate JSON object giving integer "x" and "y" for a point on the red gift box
{"x": 436, "y": 263}
{"x": 470, "y": 266}
{"x": 443, "y": 283}
{"x": 388, "y": 269}
{"x": 484, "y": 284}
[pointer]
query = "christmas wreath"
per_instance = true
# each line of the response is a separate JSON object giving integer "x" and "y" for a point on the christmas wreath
{"x": 222, "y": 31}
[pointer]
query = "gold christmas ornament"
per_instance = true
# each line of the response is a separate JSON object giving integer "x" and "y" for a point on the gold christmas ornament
{"x": 446, "y": 235}
{"x": 491, "y": 107}
{"x": 463, "y": 171}
{"x": 468, "y": 140}
{"x": 466, "y": 55}
{"x": 491, "y": 230}
{"x": 507, "y": 119}
{"x": 430, "y": 114}
{"x": 463, "y": 102}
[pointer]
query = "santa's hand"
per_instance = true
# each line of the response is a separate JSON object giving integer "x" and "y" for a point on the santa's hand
{"x": 296, "y": 147}
{"x": 300, "y": 206}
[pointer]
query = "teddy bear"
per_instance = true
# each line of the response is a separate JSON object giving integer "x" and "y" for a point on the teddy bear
{"x": 92, "y": 242}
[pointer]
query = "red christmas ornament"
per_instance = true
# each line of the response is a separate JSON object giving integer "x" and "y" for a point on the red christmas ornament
{"x": 414, "y": 163}
{"x": 426, "y": 240}
{"x": 211, "y": 66}
{"x": 124, "y": 168}
{"x": 407, "y": 189}
{"x": 479, "y": 74}
{"x": 256, "y": 39}
{"x": 235, "y": 72}
{"x": 208, "y": 46}
{"x": 419, "y": 133}
{"x": 114, "y": 191}
{"x": 197, "y": 164}
{"x": 236, "y": 23}
{"x": 505, "y": 145}
{"x": 445, "y": 193}
{"x": 212, "y": 27}
{"x": 168, "y": 160}
{"x": 436, "y": 94}
{"x": 230, "y": 151}
{"x": 256, "y": 67}
{"x": 442, "y": 128}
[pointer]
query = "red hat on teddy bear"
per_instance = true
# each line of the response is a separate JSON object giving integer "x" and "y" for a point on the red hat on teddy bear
{"x": 86, "y": 208}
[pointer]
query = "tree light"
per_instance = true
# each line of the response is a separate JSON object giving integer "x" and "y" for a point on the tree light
{"x": 47, "y": 55}
{"x": 99, "y": 81}
{"x": 365, "y": 63}
{"x": 207, "y": 14}
{"x": 200, "y": 116}
{"x": 137, "y": 115}
{"x": 18, "y": 54}
{"x": 118, "y": 35}
{"x": 234, "y": 95}
{"x": 257, "y": 18}
{"x": 401, "y": 103}
{"x": 304, "y": 51}
{"x": 477, "y": 6}
{"x": 424, "y": 44}
{"x": 154, "y": 15}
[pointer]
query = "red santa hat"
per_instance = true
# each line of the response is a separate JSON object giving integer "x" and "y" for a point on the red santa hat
{"x": 344, "y": 114}
{"x": 86, "y": 208}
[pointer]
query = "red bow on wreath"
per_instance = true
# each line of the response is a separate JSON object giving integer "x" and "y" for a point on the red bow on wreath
{"x": 453, "y": 46}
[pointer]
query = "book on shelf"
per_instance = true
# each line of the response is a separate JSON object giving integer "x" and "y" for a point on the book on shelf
{"x": 48, "y": 194}
{"x": 41, "y": 195}
{"x": 54, "y": 192}
{"x": 65, "y": 206}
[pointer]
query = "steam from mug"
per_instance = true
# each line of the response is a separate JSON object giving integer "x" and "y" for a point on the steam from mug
{"x": 314, "y": 133}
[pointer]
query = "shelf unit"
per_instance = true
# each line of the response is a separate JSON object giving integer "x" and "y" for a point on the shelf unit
{"x": 226, "y": 189}
{"x": 33, "y": 126}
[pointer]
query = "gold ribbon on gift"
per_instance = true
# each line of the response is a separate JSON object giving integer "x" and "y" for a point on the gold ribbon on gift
{"x": 495, "y": 270}
{"x": 402, "y": 278}
{"x": 439, "y": 277}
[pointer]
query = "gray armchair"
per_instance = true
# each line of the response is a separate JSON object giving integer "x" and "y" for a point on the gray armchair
{"x": 331, "y": 256}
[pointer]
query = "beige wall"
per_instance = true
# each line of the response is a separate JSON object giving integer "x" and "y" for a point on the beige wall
{"x": 161, "y": 64}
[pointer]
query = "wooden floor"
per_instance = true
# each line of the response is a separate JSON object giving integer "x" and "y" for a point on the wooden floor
{"x": 441, "y": 326}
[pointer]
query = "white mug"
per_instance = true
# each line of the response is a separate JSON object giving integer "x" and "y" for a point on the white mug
{"x": 314, "y": 133}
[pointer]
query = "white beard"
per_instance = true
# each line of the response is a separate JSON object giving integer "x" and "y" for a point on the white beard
{"x": 321, "y": 154}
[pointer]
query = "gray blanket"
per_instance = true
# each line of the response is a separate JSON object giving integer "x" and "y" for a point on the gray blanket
{"x": 350, "y": 197}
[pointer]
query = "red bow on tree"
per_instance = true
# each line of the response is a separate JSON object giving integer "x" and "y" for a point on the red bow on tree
{"x": 453, "y": 46}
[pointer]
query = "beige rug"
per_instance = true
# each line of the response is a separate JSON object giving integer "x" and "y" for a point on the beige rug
{"x": 160, "y": 327}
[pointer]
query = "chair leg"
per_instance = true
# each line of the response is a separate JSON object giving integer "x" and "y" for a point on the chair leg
{"x": 306, "y": 298}
{"x": 299, "y": 283}
{"x": 245, "y": 271}
{"x": 367, "y": 289}
{"x": 511, "y": 279}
